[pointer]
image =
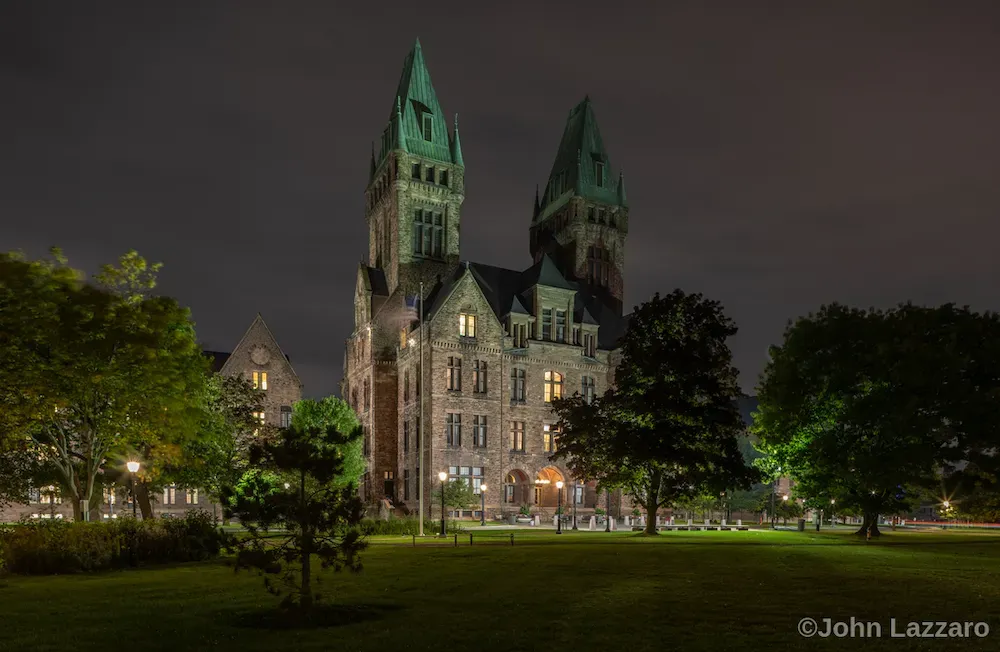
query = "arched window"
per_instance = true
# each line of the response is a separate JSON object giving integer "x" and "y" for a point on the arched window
{"x": 553, "y": 385}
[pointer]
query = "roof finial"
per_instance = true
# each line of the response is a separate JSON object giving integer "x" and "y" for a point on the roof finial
{"x": 621, "y": 187}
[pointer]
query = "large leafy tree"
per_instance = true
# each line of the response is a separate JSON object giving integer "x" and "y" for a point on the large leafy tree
{"x": 92, "y": 373}
{"x": 670, "y": 429}
{"x": 298, "y": 503}
{"x": 871, "y": 408}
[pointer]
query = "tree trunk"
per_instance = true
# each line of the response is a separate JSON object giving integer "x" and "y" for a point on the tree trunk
{"x": 869, "y": 521}
{"x": 306, "y": 598}
{"x": 142, "y": 496}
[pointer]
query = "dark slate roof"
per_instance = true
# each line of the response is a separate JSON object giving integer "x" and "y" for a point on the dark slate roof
{"x": 376, "y": 279}
{"x": 218, "y": 359}
{"x": 508, "y": 291}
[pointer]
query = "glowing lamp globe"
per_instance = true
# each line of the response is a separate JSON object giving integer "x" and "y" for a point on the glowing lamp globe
{"x": 133, "y": 467}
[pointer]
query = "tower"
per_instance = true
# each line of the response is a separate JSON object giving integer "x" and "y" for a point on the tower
{"x": 581, "y": 219}
{"x": 416, "y": 186}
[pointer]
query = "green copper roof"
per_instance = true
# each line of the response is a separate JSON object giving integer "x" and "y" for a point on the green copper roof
{"x": 580, "y": 161}
{"x": 414, "y": 101}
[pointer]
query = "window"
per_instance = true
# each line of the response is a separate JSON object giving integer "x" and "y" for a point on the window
{"x": 591, "y": 214}
{"x": 598, "y": 265}
{"x": 467, "y": 325}
{"x": 598, "y": 173}
{"x": 428, "y": 127}
{"x": 470, "y": 475}
{"x": 406, "y": 436}
{"x": 428, "y": 233}
{"x": 454, "y": 373}
{"x": 546, "y": 323}
{"x": 415, "y": 171}
{"x": 260, "y": 380}
{"x": 444, "y": 177}
{"x": 589, "y": 344}
{"x": 406, "y": 484}
{"x": 406, "y": 385}
{"x": 192, "y": 497}
{"x": 517, "y": 436}
{"x": 517, "y": 385}
{"x": 520, "y": 334}
{"x": 578, "y": 490}
{"x": 508, "y": 490}
{"x": 550, "y": 436}
{"x": 286, "y": 416}
{"x": 479, "y": 431}
{"x": 388, "y": 484}
{"x": 479, "y": 376}
{"x": 587, "y": 389}
{"x": 402, "y": 338}
{"x": 453, "y": 429}
{"x": 553, "y": 385}
{"x": 431, "y": 175}
{"x": 560, "y": 325}
{"x": 368, "y": 395}
{"x": 169, "y": 495}
{"x": 259, "y": 416}
{"x": 576, "y": 336}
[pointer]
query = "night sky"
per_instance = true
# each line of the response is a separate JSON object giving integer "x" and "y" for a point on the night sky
{"x": 775, "y": 158}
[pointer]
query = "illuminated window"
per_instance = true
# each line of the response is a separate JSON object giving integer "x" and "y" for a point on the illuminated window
{"x": 547, "y": 443}
{"x": 260, "y": 380}
{"x": 402, "y": 338}
{"x": 553, "y": 385}
{"x": 454, "y": 374}
{"x": 453, "y": 429}
{"x": 259, "y": 416}
{"x": 169, "y": 495}
{"x": 517, "y": 436}
{"x": 192, "y": 497}
{"x": 467, "y": 325}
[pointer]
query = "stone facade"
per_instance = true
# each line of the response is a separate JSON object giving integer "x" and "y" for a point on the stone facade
{"x": 546, "y": 329}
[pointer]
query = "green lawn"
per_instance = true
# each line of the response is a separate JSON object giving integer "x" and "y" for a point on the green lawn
{"x": 594, "y": 591}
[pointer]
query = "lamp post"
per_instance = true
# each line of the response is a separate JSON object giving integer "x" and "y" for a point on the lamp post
{"x": 833, "y": 516}
{"x": 574, "y": 505}
{"x": 784, "y": 499}
{"x": 559, "y": 486}
{"x": 482, "y": 504}
{"x": 443, "y": 476}
{"x": 52, "y": 502}
{"x": 133, "y": 468}
{"x": 607, "y": 520}
{"x": 774, "y": 491}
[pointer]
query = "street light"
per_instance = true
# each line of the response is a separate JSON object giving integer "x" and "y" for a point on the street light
{"x": 133, "y": 468}
{"x": 559, "y": 486}
{"x": 833, "y": 515}
{"x": 482, "y": 504}
{"x": 574, "y": 505}
{"x": 443, "y": 476}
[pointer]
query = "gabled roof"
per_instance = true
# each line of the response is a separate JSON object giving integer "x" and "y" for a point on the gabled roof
{"x": 507, "y": 291}
{"x": 258, "y": 323}
{"x": 573, "y": 171}
{"x": 415, "y": 97}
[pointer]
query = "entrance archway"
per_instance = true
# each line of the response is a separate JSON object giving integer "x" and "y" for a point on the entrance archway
{"x": 516, "y": 488}
{"x": 546, "y": 492}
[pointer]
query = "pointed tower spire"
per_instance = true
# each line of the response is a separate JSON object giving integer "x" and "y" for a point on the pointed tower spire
{"x": 538, "y": 207}
{"x": 423, "y": 124}
{"x": 399, "y": 136}
{"x": 578, "y": 186}
{"x": 621, "y": 188}
{"x": 456, "y": 146}
{"x": 371, "y": 172}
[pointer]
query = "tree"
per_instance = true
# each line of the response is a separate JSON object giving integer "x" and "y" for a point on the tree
{"x": 296, "y": 504}
{"x": 18, "y": 468}
{"x": 91, "y": 374}
{"x": 458, "y": 494}
{"x": 221, "y": 455}
{"x": 871, "y": 408}
{"x": 670, "y": 430}
{"x": 333, "y": 412}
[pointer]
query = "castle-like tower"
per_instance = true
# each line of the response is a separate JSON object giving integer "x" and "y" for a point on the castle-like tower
{"x": 413, "y": 201}
{"x": 467, "y": 390}
{"x": 582, "y": 217}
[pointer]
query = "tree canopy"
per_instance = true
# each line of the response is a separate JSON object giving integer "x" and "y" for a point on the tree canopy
{"x": 670, "y": 429}
{"x": 872, "y": 408}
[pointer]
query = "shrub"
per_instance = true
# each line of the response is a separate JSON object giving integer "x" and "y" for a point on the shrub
{"x": 55, "y": 547}
{"x": 404, "y": 527}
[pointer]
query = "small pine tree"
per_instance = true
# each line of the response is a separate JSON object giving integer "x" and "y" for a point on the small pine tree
{"x": 296, "y": 505}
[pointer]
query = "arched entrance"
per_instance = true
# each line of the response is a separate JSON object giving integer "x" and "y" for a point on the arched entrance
{"x": 516, "y": 488}
{"x": 546, "y": 492}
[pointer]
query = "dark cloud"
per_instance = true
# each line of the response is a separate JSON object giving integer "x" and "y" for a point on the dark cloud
{"x": 777, "y": 156}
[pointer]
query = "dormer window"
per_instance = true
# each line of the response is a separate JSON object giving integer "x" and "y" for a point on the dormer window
{"x": 428, "y": 127}
{"x": 599, "y": 174}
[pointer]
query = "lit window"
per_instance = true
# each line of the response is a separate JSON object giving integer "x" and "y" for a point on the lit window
{"x": 260, "y": 380}
{"x": 467, "y": 325}
{"x": 553, "y": 386}
{"x": 169, "y": 495}
{"x": 517, "y": 436}
{"x": 259, "y": 416}
{"x": 192, "y": 496}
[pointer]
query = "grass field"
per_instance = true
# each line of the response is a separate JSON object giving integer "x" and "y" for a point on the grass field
{"x": 593, "y": 591}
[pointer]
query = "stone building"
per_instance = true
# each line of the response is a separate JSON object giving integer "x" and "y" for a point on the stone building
{"x": 496, "y": 344}
{"x": 258, "y": 358}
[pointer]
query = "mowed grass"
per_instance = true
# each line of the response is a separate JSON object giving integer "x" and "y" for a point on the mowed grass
{"x": 591, "y": 591}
